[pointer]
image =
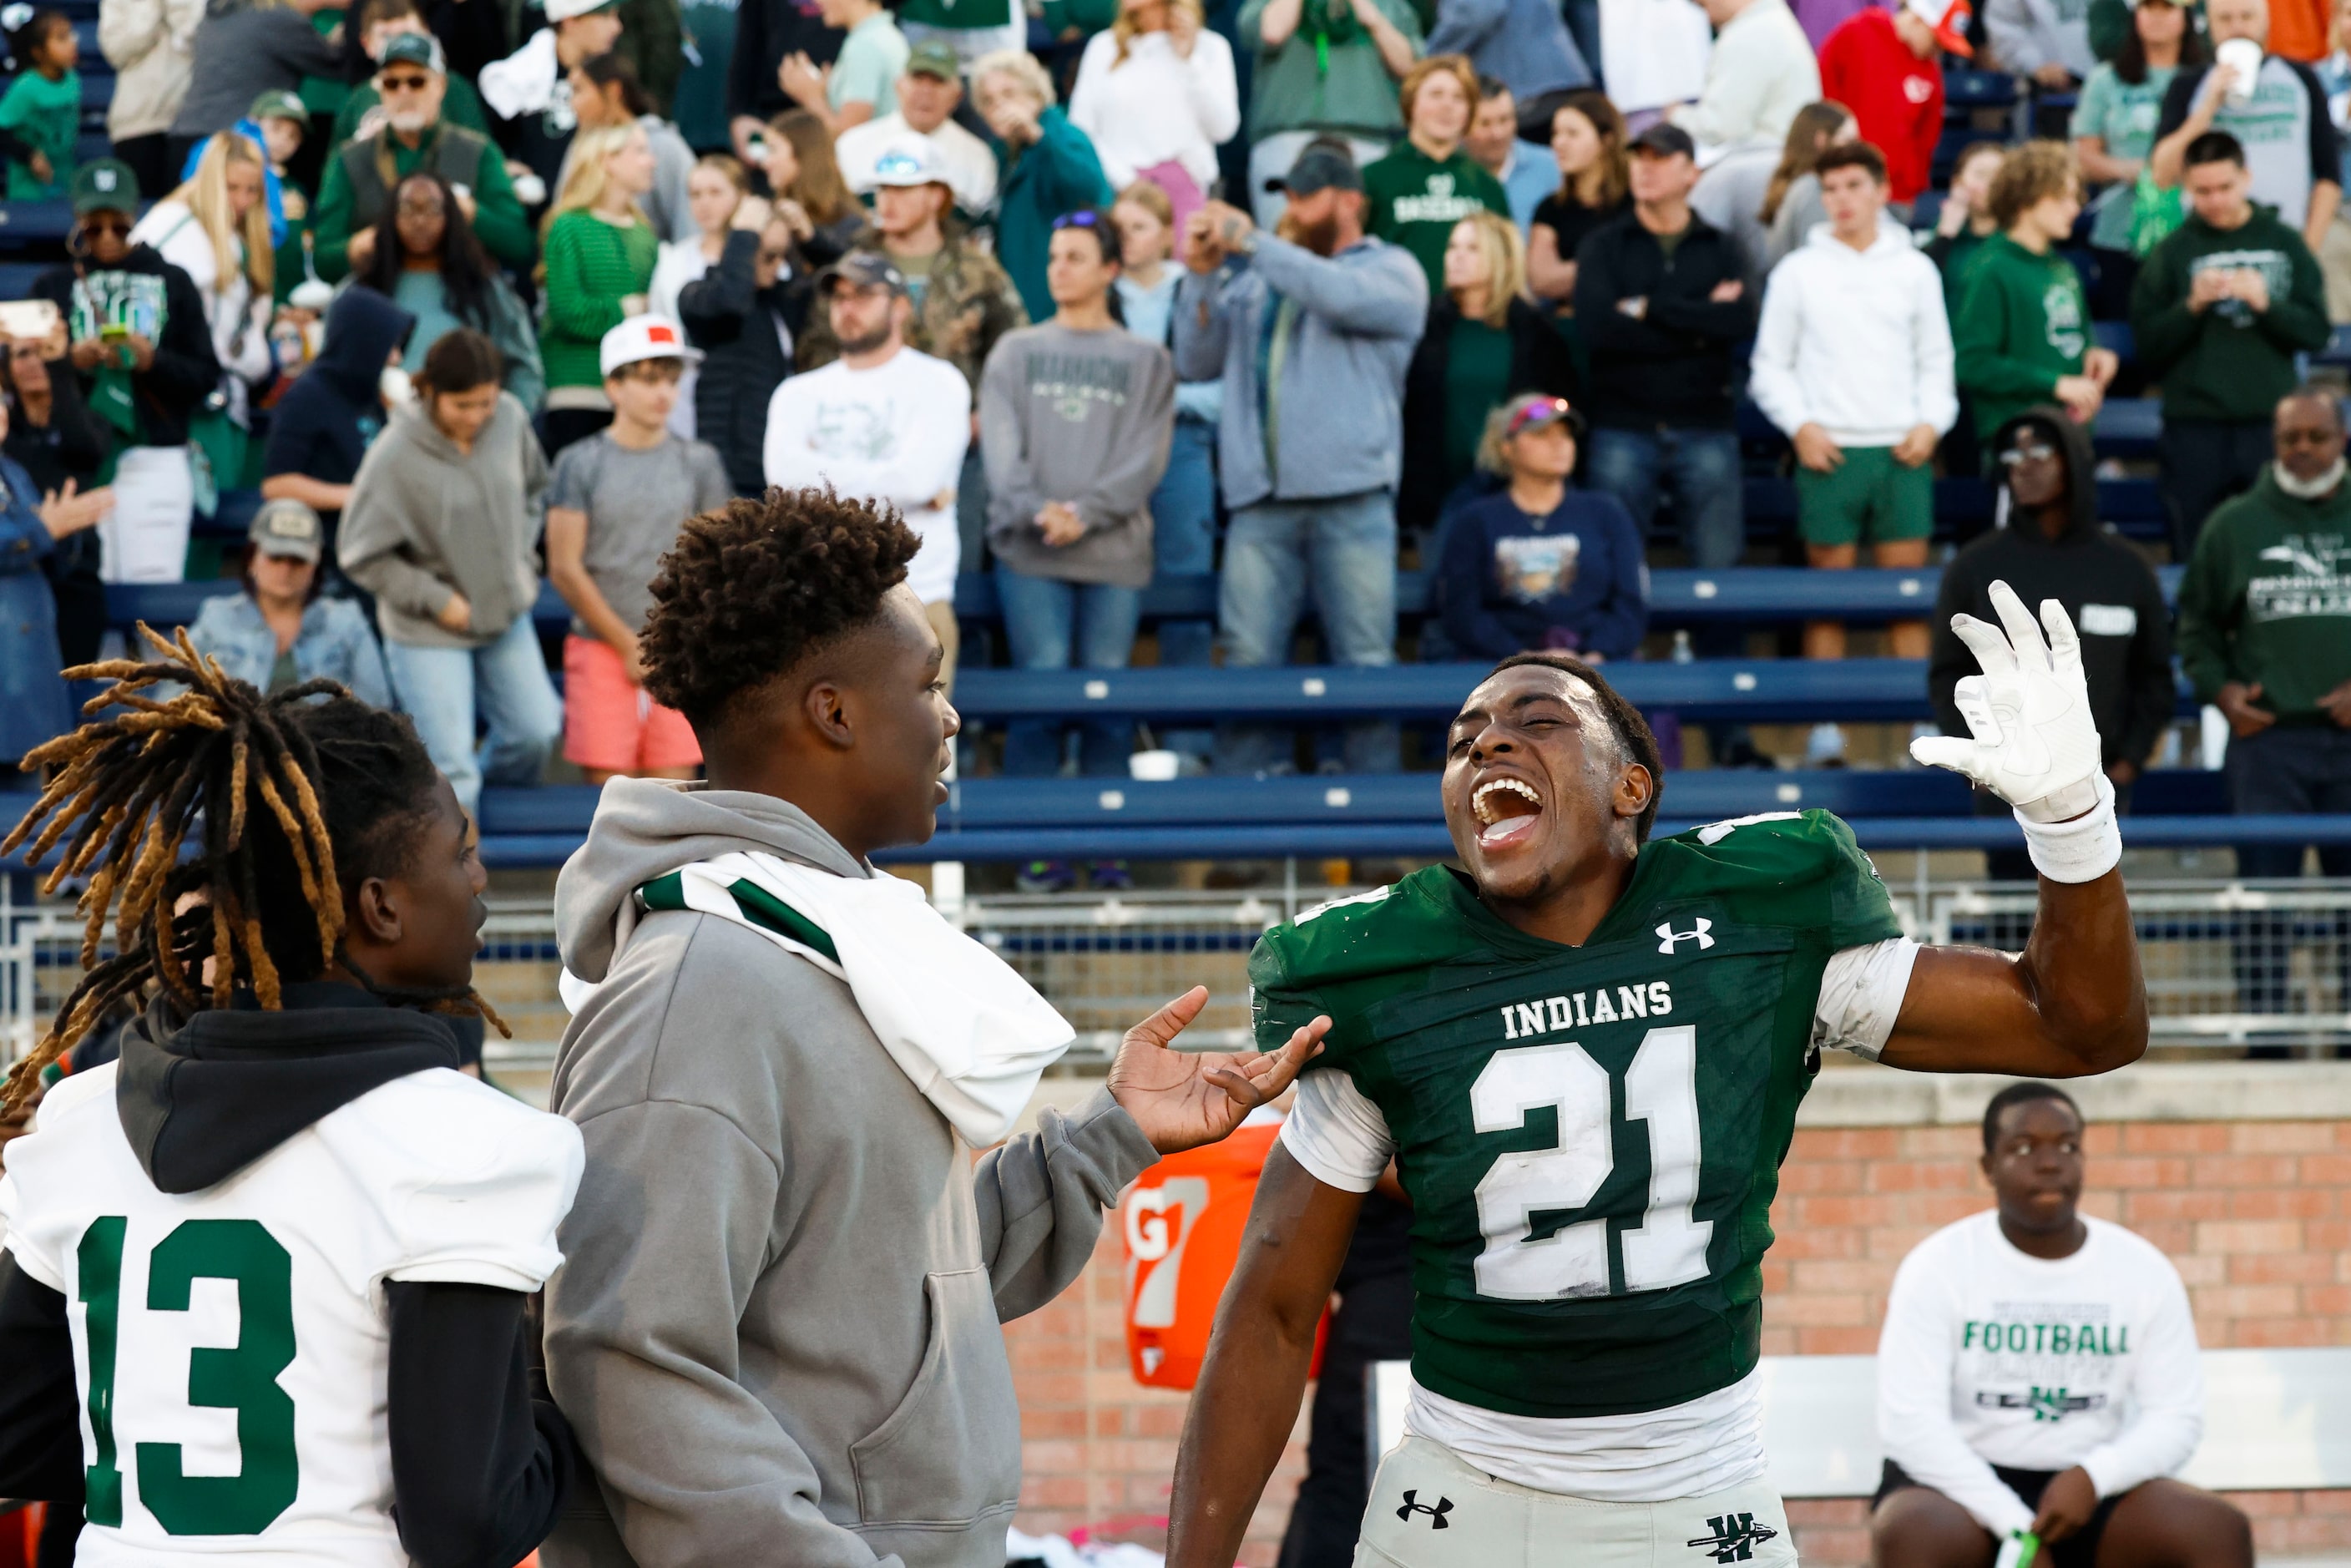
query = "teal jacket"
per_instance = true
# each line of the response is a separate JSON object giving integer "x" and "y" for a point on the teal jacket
{"x": 1057, "y": 174}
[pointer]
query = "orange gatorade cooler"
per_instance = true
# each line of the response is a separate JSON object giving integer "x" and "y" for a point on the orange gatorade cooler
{"x": 1181, "y": 1220}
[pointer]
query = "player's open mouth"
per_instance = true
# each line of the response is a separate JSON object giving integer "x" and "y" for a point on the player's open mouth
{"x": 1506, "y": 808}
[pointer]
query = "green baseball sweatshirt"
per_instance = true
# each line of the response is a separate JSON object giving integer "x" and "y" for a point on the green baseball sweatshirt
{"x": 2267, "y": 599}
{"x": 2228, "y": 361}
{"x": 2024, "y": 321}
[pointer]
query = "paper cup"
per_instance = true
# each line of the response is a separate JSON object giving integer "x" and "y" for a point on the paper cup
{"x": 1155, "y": 767}
{"x": 2243, "y": 57}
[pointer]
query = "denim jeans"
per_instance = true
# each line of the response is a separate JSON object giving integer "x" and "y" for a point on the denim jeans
{"x": 504, "y": 682}
{"x": 2286, "y": 772}
{"x": 1702, "y": 469}
{"x": 1345, "y": 548}
{"x": 1048, "y": 623}
{"x": 1184, "y": 544}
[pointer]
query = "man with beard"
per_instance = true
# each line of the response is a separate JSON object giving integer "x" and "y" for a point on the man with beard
{"x": 883, "y": 423}
{"x": 1311, "y": 340}
{"x": 413, "y": 81}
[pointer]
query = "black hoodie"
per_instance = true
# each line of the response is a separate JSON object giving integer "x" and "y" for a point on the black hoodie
{"x": 322, "y": 425}
{"x": 184, "y": 369}
{"x": 480, "y": 1455}
{"x": 2111, "y": 593}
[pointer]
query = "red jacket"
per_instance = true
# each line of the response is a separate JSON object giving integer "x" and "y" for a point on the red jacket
{"x": 1895, "y": 96}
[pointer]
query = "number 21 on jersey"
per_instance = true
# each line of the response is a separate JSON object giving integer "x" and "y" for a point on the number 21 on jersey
{"x": 242, "y": 1377}
{"x": 1668, "y": 1248}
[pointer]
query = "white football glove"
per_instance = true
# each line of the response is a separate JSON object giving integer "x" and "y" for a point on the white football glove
{"x": 2036, "y": 745}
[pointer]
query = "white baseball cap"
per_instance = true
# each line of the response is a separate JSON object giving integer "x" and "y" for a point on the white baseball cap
{"x": 564, "y": 10}
{"x": 645, "y": 338}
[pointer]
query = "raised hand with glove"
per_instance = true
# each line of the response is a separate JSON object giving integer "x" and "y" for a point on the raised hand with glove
{"x": 2034, "y": 743}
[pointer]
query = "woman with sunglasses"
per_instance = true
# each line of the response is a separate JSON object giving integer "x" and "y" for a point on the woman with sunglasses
{"x": 140, "y": 342}
{"x": 1542, "y": 565}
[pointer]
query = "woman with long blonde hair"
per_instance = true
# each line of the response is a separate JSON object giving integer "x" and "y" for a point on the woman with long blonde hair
{"x": 216, "y": 228}
{"x": 600, "y": 251}
{"x": 1484, "y": 340}
{"x": 812, "y": 198}
{"x": 1157, "y": 94}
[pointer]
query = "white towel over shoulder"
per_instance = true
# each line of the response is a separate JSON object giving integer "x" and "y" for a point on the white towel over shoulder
{"x": 966, "y": 1031}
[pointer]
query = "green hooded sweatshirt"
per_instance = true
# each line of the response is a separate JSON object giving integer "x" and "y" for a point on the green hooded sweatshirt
{"x": 2267, "y": 599}
{"x": 2024, "y": 321}
{"x": 2224, "y": 362}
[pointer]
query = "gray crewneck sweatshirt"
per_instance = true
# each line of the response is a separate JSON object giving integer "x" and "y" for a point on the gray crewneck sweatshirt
{"x": 1080, "y": 417}
{"x": 775, "y": 1329}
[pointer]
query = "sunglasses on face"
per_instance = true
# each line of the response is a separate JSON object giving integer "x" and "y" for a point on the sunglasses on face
{"x": 1553, "y": 410}
{"x": 1076, "y": 221}
{"x": 113, "y": 224}
{"x": 2037, "y": 452}
{"x": 404, "y": 84}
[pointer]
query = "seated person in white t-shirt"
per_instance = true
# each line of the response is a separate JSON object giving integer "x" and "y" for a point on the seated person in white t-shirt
{"x": 2038, "y": 1370}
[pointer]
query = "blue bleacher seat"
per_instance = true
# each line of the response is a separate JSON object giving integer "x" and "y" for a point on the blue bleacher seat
{"x": 1966, "y": 88}
{"x": 28, "y": 226}
{"x": 17, "y": 277}
{"x": 2130, "y": 427}
{"x": 2115, "y": 335}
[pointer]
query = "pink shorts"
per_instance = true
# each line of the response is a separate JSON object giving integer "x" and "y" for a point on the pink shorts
{"x": 609, "y": 722}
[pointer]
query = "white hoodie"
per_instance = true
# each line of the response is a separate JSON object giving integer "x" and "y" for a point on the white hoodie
{"x": 1854, "y": 341}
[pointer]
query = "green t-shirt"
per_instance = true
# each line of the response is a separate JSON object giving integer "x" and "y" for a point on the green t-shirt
{"x": 871, "y": 55}
{"x": 1414, "y": 201}
{"x": 1591, "y": 1136}
{"x": 1477, "y": 377}
{"x": 2124, "y": 118}
{"x": 49, "y": 115}
{"x": 1328, "y": 75}
{"x": 2024, "y": 321}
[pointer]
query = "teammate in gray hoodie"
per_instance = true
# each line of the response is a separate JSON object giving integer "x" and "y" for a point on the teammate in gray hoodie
{"x": 776, "y": 1330}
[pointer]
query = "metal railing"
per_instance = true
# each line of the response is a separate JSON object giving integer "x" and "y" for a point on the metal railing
{"x": 2228, "y": 964}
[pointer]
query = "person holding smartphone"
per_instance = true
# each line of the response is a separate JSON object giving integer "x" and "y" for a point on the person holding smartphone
{"x": 140, "y": 342}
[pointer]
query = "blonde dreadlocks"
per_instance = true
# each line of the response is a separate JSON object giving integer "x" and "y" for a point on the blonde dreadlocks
{"x": 288, "y": 800}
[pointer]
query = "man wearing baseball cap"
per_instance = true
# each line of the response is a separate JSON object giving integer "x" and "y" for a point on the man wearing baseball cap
{"x": 281, "y": 630}
{"x": 414, "y": 81}
{"x": 964, "y": 300}
{"x": 1887, "y": 68}
{"x": 883, "y": 423}
{"x": 1661, "y": 298}
{"x": 1311, "y": 338}
{"x": 379, "y": 22}
{"x": 614, "y": 505}
{"x": 928, "y": 93}
{"x": 137, "y": 332}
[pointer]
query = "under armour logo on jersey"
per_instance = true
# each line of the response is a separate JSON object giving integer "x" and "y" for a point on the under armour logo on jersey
{"x": 1436, "y": 1515}
{"x": 1667, "y": 936}
{"x": 1735, "y": 1538}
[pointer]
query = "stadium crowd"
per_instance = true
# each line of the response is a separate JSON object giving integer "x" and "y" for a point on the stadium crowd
{"x": 1304, "y": 295}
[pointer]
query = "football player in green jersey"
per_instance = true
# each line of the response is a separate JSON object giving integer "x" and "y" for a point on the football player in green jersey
{"x": 1584, "y": 1054}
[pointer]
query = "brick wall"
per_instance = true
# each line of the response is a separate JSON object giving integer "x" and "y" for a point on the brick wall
{"x": 2256, "y": 1214}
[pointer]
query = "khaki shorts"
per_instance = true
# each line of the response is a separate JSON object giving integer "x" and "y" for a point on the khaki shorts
{"x": 1431, "y": 1509}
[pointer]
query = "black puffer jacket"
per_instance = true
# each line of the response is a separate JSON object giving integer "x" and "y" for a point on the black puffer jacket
{"x": 735, "y": 323}
{"x": 184, "y": 371}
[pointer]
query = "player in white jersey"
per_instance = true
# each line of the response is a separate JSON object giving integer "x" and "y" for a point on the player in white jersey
{"x": 263, "y": 1293}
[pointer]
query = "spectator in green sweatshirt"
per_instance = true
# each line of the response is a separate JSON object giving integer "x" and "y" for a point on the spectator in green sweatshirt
{"x": 2265, "y": 631}
{"x": 1429, "y": 184}
{"x": 2023, "y": 333}
{"x": 2219, "y": 311}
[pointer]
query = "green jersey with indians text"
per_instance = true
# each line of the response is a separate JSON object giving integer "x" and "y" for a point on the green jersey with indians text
{"x": 1590, "y": 1137}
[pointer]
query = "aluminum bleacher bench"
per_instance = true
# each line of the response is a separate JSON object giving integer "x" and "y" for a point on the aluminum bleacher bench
{"x": 2274, "y": 1421}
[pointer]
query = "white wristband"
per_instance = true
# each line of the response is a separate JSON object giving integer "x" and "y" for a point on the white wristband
{"x": 2082, "y": 849}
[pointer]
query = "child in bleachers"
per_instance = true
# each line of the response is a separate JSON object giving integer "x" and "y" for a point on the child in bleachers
{"x": 42, "y": 108}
